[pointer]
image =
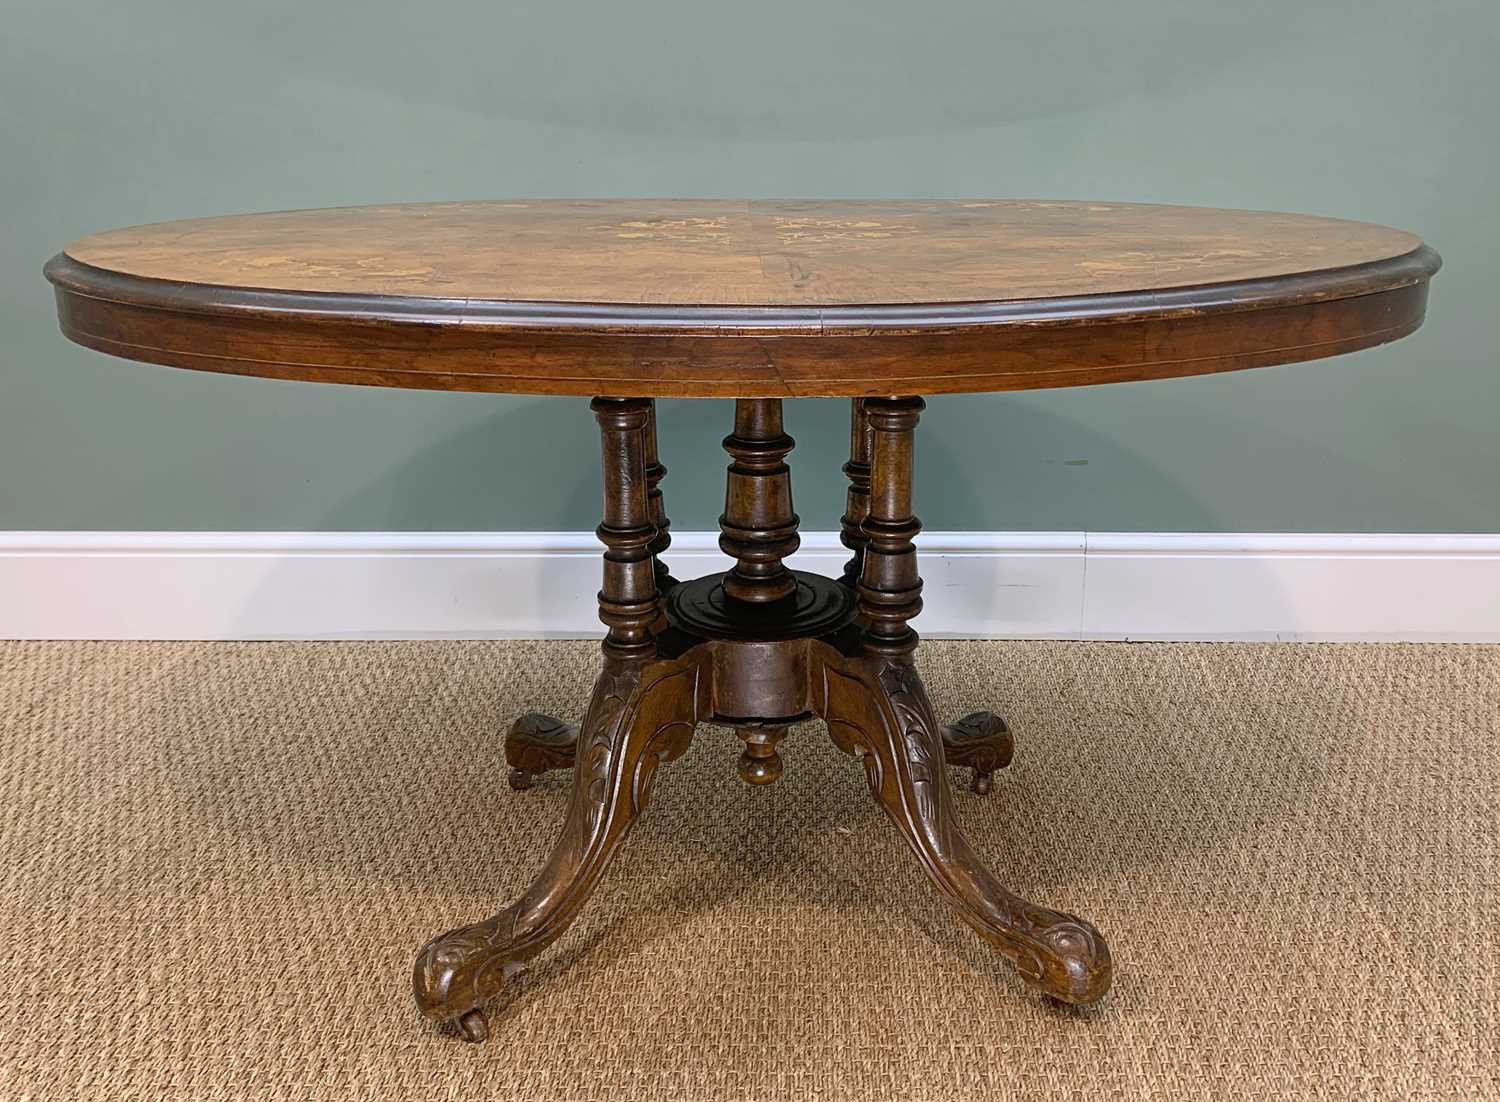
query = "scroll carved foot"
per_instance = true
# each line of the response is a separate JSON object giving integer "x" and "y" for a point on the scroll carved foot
{"x": 536, "y": 743}
{"x": 642, "y": 714}
{"x": 877, "y": 709}
{"x": 980, "y": 741}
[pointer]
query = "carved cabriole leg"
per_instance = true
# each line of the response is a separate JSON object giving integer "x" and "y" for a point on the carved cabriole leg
{"x": 643, "y": 712}
{"x": 758, "y": 528}
{"x": 876, "y": 708}
{"x": 857, "y": 507}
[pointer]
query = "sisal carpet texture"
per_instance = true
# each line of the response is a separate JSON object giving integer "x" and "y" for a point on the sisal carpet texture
{"x": 219, "y": 859}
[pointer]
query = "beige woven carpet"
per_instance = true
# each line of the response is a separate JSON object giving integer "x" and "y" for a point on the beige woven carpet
{"x": 219, "y": 859}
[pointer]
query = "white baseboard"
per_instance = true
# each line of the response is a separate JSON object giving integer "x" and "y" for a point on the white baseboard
{"x": 1071, "y": 585}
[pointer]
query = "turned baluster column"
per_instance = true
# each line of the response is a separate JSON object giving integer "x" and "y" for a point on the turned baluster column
{"x": 655, "y": 504}
{"x": 628, "y": 601}
{"x": 758, "y": 527}
{"x": 890, "y": 590}
{"x": 857, "y": 504}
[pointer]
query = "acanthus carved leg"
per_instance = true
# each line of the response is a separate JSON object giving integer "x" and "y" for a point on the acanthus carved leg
{"x": 876, "y": 709}
{"x": 981, "y": 741}
{"x": 642, "y": 713}
{"x": 537, "y": 743}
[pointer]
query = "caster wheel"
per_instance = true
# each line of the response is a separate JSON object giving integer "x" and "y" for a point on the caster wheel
{"x": 981, "y": 741}
{"x": 474, "y": 1027}
{"x": 520, "y": 780}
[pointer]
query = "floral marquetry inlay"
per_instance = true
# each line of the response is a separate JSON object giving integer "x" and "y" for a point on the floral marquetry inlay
{"x": 671, "y": 229}
{"x": 740, "y": 252}
{"x": 810, "y": 231}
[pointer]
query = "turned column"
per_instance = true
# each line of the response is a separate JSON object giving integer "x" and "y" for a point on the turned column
{"x": 758, "y": 527}
{"x": 857, "y": 504}
{"x": 890, "y": 590}
{"x": 628, "y": 601}
{"x": 655, "y": 504}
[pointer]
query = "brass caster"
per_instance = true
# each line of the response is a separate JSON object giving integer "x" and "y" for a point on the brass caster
{"x": 473, "y": 1026}
{"x": 982, "y": 783}
{"x": 520, "y": 779}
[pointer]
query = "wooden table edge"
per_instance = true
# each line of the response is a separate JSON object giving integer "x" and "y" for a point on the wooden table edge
{"x": 687, "y": 351}
{"x": 79, "y": 278}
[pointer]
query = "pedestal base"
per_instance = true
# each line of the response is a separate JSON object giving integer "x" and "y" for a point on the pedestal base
{"x": 757, "y": 649}
{"x": 643, "y": 714}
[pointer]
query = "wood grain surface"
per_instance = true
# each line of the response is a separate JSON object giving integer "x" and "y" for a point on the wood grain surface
{"x": 741, "y": 298}
{"x": 737, "y": 253}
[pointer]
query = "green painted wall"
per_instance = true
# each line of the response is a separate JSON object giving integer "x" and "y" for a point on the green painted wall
{"x": 1384, "y": 110}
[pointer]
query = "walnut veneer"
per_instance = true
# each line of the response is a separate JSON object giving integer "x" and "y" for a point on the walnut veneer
{"x": 627, "y": 300}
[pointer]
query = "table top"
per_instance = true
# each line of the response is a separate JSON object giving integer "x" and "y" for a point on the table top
{"x": 741, "y": 298}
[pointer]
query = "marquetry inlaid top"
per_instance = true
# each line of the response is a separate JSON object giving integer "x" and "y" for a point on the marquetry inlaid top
{"x": 738, "y": 253}
{"x": 741, "y": 298}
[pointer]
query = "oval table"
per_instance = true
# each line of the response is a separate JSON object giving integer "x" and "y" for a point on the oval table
{"x": 627, "y": 300}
